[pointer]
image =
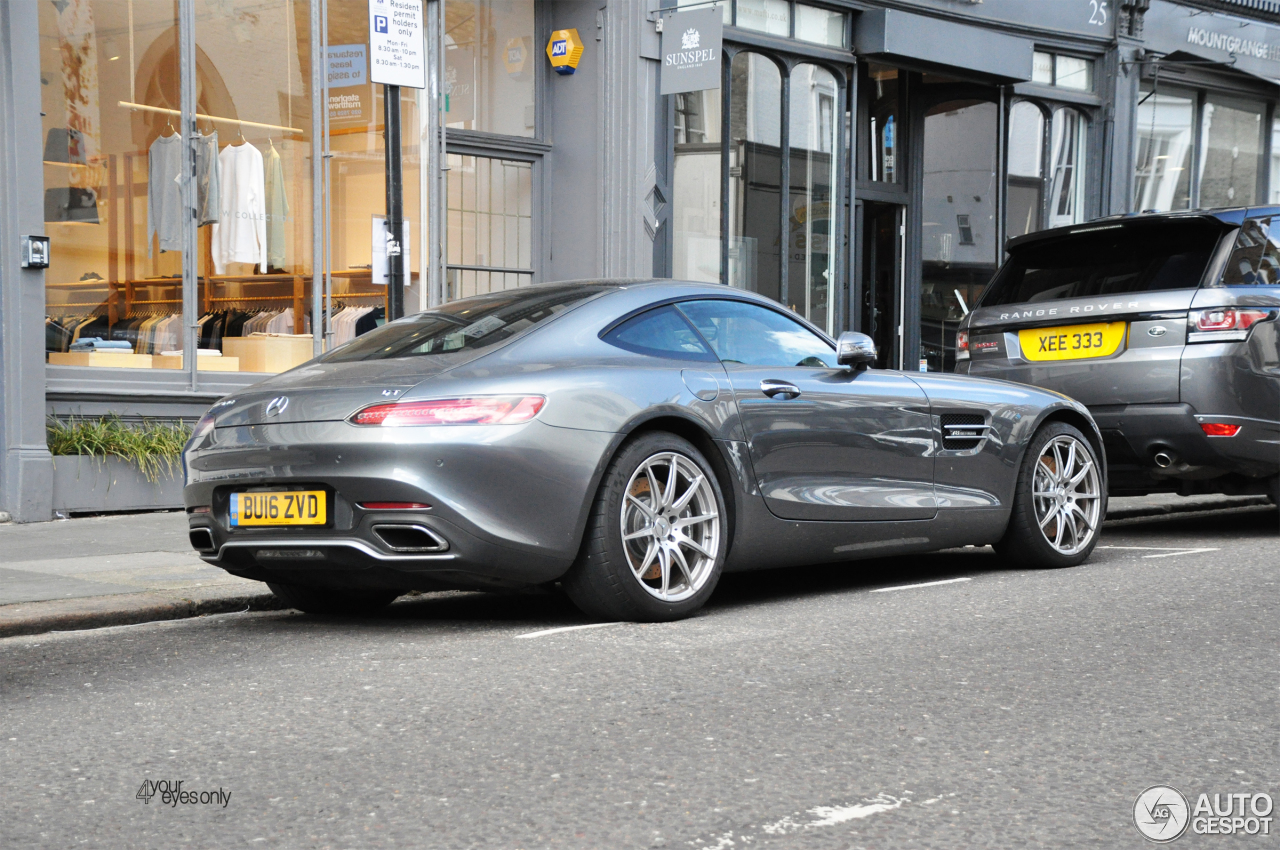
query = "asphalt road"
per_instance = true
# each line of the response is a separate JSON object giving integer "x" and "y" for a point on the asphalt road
{"x": 802, "y": 709}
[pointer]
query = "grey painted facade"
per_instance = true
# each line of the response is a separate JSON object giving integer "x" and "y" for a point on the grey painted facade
{"x": 604, "y": 154}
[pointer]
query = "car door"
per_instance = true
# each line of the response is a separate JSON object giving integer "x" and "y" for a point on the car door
{"x": 826, "y": 442}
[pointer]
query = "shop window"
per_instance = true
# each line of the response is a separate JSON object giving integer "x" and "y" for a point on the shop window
{"x": 959, "y": 228}
{"x": 113, "y": 151}
{"x": 490, "y": 60}
{"x": 1068, "y": 72}
{"x": 883, "y": 122}
{"x": 755, "y": 172}
{"x": 1231, "y": 138}
{"x": 1025, "y": 194}
{"x": 490, "y": 225}
{"x": 726, "y": 6}
{"x": 695, "y": 207}
{"x": 1275, "y": 162}
{"x": 1068, "y": 137}
{"x": 821, "y": 26}
{"x": 768, "y": 16}
{"x": 813, "y": 178}
{"x": 1162, "y": 173}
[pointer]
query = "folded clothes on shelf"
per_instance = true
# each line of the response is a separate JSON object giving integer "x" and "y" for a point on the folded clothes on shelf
{"x": 95, "y": 343}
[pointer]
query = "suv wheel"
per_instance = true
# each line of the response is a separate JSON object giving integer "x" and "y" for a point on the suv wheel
{"x": 1059, "y": 503}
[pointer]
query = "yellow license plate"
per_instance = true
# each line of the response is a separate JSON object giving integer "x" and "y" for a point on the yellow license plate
{"x": 294, "y": 507}
{"x": 1074, "y": 342}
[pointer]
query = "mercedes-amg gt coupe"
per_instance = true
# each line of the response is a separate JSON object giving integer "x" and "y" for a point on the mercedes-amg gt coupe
{"x": 630, "y": 440}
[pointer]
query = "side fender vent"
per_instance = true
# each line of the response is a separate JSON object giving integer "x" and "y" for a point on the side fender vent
{"x": 962, "y": 432}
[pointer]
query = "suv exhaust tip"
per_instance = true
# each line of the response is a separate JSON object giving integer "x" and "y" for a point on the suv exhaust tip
{"x": 1164, "y": 459}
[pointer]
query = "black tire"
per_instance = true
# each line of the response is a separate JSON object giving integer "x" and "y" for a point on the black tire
{"x": 1024, "y": 543}
{"x": 331, "y": 601}
{"x": 603, "y": 583}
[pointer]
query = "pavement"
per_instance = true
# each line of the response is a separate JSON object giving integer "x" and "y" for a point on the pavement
{"x": 123, "y": 569}
{"x": 109, "y": 571}
{"x": 932, "y": 701}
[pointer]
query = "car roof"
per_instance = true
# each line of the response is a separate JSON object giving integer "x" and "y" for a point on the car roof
{"x": 1225, "y": 217}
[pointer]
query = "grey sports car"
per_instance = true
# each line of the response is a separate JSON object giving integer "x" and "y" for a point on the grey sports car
{"x": 631, "y": 440}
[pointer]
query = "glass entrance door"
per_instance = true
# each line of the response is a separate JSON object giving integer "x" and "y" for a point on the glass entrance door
{"x": 883, "y": 229}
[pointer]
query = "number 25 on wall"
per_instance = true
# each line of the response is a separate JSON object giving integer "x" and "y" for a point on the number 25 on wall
{"x": 1098, "y": 17}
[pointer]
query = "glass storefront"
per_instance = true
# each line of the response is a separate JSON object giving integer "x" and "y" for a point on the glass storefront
{"x": 960, "y": 233}
{"x": 1220, "y": 166}
{"x": 112, "y": 154}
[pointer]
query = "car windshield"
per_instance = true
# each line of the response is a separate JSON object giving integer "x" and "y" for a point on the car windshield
{"x": 1109, "y": 261}
{"x": 474, "y": 323}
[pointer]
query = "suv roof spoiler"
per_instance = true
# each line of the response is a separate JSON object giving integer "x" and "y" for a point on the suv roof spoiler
{"x": 1224, "y": 218}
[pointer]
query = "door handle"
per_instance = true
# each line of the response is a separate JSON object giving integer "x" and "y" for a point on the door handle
{"x": 773, "y": 388}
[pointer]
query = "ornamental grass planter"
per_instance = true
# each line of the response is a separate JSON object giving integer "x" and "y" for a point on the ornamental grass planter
{"x": 89, "y": 484}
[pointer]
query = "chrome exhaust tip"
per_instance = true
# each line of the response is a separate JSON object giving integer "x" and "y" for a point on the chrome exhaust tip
{"x": 1164, "y": 459}
{"x": 410, "y": 538}
{"x": 201, "y": 539}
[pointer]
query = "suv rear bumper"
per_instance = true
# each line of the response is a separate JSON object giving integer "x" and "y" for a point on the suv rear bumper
{"x": 1134, "y": 434}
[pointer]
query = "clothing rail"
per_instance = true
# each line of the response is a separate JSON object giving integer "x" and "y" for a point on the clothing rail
{"x": 130, "y": 105}
{"x": 225, "y": 299}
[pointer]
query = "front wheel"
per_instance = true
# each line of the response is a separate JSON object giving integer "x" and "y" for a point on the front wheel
{"x": 332, "y": 602}
{"x": 656, "y": 539}
{"x": 1059, "y": 502}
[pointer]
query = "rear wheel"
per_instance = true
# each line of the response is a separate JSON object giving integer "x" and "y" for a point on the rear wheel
{"x": 1059, "y": 502}
{"x": 333, "y": 602}
{"x": 656, "y": 538}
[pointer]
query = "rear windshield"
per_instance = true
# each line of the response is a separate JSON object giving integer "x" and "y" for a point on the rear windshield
{"x": 1156, "y": 256}
{"x": 473, "y": 323}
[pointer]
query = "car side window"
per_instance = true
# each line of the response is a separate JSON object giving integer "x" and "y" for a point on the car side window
{"x": 1255, "y": 260}
{"x": 660, "y": 333}
{"x": 740, "y": 332}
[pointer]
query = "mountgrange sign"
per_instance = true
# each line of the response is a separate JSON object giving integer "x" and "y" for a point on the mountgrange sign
{"x": 691, "y": 50}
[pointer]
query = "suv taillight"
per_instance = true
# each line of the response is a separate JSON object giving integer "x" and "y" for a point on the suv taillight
{"x": 1222, "y": 324}
{"x": 962, "y": 345}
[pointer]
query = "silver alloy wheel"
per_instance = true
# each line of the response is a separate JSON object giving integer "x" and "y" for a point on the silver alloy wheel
{"x": 670, "y": 526}
{"x": 1066, "y": 490}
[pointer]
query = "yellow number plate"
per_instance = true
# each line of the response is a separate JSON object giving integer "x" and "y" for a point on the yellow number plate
{"x": 302, "y": 507}
{"x": 1074, "y": 342}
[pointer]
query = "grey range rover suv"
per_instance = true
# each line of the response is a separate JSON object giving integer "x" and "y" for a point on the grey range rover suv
{"x": 1165, "y": 326}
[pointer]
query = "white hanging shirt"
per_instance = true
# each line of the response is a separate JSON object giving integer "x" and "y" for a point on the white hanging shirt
{"x": 240, "y": 234}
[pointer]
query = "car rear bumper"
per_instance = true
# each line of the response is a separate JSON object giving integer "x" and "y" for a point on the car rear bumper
{"x": 1145, "y": 436}
{"x": 364, "y": 555}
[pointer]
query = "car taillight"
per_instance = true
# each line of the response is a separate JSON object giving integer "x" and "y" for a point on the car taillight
{"x": 480, "y": 410}
{"x": 204, "y": 426}
{"x": 1225, "y": 323}
{"x": 1220, "y": 429}
{"x": 962, "y": 341}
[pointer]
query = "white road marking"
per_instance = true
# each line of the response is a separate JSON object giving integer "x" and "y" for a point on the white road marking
{"x": 924, "y": 584}
{"x": 1169, "y": 551}
{"x": 546, "y": 632}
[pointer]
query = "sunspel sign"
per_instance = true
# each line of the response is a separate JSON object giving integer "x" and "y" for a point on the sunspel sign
{"x": 397, "y": 49}
{"x": 691, "y": 52}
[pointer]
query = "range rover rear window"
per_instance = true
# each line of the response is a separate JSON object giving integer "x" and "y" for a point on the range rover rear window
{"x": 1147, "y": 258}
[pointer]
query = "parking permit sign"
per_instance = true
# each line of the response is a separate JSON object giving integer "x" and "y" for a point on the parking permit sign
{"x": 397, "y": 50}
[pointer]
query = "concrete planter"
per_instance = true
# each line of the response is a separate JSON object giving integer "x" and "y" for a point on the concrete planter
{"x": 83, "y": 483}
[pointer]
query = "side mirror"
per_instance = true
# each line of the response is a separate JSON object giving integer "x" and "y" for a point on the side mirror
{"x": 856, "y": 350}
